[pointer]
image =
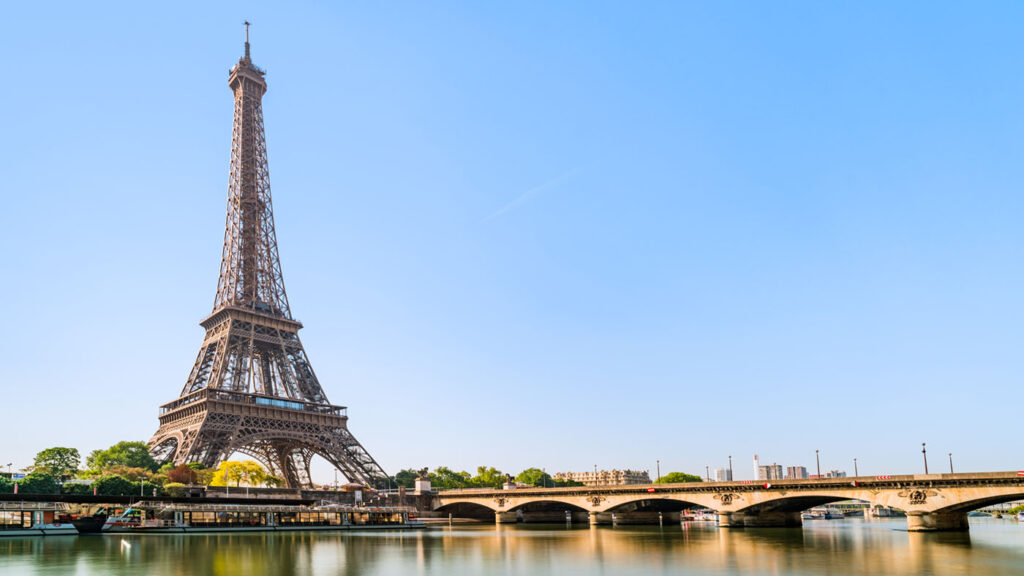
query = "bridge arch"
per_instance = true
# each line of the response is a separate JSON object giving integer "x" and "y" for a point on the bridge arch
{"x": 474, "y": 510}
{"x": 547, "y": 505}
{"x": 665, "y": 503}
{"x": 795, "y": 503}
{"x": 981, "y": 502}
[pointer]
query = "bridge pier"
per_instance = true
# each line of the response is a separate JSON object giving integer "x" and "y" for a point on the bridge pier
{"x": 506, "y": 517}
{"x": 730, "y": 519}
{"x": 936, "y": 521}
{"x": 600, "y": 518}
{"x": 772, "y": 519}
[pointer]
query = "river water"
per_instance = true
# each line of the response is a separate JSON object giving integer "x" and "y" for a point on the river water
{"x": 837, "y": 547}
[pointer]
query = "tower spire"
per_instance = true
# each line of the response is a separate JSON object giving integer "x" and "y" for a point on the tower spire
{"x": 247, "y": 40}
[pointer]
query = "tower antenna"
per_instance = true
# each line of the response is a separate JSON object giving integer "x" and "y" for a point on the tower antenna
{"x": 247, "y": 39}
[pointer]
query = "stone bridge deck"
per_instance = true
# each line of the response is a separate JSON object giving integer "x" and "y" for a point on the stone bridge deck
{"x": 931, "y": 501}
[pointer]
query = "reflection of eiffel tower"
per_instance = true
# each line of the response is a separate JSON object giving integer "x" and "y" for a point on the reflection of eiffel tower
{"x": 252, "y": 389}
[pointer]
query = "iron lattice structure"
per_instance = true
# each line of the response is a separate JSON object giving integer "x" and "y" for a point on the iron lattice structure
{"x": 252, "y": 389}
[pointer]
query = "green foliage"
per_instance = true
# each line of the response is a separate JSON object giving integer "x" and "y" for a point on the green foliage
{"x": 38, "y": 483}
{"x": 196, "y": 466}
{"x": 6, "y": 485}
{"x": 58, "y": 462}
{"x": 487, "y": 477}
{"x": 79, "y": 489}
{"x": 444, "y": 478}
{"x": 535, "y": 476}
{"x": 406, "y": 478}
{"x": 677, "y": 477}
{"x": 115, "y": 486}
{"x": 174, "y": 489}
{"x": 129, "y": 454}
{"x": 565, "y": 483}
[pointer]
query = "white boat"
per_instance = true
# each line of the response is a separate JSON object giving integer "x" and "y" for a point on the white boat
{"x": 163, "y": 518}
{"x": 36, "y": 519}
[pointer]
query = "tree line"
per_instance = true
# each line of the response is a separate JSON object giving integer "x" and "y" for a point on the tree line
{"x": 127, "y": 468}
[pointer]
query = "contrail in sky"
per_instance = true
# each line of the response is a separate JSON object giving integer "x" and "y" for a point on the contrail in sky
{"x": 530, "y": 193}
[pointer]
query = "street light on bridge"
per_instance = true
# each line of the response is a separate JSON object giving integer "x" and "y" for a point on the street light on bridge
{"x": 707, "y": 472}
{"x": 855, "y": 472}
{"x": 950, "y": 462}
{"x": 659, "y": 470}
{"x": 924, "y": 454}
{"x": 730, "y": 469}
{"x": 817, "y": 460}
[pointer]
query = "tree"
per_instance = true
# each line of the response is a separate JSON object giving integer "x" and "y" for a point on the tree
{"x": 58, "y": 462}
{"x": 130, "y": 454}
{"x": 535, "y": 477}
{"x": 248, "y": 471}
{"x": 38, "y": 483}
{"x": 114, "y": 486}
{"x": 174, "y": 489}
{"x": 6, "y": 485}
{"x": 447, "y": 479}
{"x": 488, "y": 477}
{"x": 677, "y": 477}
{"x": 566, "y": 483}
{"x": 182, "y": 474}
{"x": 406, "y": 478}
{"x": 129, "y": 473}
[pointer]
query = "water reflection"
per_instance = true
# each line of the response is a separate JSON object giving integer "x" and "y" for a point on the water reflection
{"x": 845, "y": 547}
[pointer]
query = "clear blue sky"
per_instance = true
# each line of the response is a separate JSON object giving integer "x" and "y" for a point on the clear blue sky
{"x": 551, "y": 235}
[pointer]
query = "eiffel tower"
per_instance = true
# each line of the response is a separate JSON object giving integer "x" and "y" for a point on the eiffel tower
{"x": 252, "y": 389}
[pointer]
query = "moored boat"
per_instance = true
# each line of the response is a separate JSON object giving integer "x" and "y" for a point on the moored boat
{"x": 35, "y": 519}
{"x": 162, "y": 518}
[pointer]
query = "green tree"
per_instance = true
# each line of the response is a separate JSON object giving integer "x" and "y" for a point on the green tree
{"x": 445, "y": 478}
{"x": 6, "y": 485}
{"x": 488, "y": 477}
{"x": 406, "y": 478}
{"x": 130, "y": 454}
{"x": 535, "y": 477}
{"x": 566, "y": 483}
{"x": 677, "y": 477}
{"x": 38, "y": 483}
{"x": 114, "y": 486}
{"x": 79, "y": 489}
{"x": 174, "y": 489}
{"x": 58, "y": 462}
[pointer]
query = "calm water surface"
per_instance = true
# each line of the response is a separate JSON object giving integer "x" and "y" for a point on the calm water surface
{"x": 839, "y": 547}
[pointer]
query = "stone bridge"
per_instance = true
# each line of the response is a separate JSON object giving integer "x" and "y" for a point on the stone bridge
{"x": 931, "y": 501}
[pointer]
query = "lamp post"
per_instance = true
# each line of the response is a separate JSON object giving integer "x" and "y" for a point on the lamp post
{"x": 707, "y": 472}
{"x": 730, "y": 468}
{"x": 950, "y": 462}
{"x": 659, "y": 471}
{"x": 855, "y": 472}
{"x": 924, "y": 454}
{"x": 817, "y": 459}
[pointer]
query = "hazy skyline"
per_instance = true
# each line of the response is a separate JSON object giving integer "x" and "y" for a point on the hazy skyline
{"x": 536, "y": 235}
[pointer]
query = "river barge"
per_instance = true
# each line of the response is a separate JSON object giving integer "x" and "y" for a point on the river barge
{"x": 35, "y": 519}
{"x": 167, "y": 518}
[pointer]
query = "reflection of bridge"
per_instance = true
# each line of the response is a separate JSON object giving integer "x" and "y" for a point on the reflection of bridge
{"x": 931, "y": 501}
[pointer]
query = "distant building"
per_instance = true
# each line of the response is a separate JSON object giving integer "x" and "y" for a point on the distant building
{"x": 835, "y": 474}
{"x": 723, "y": 475}
{"x": 757, "y": 467}
{"x": 606, "y": 477}
{"x": 771, "y": 472}
{"x": 796, "y": 472}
